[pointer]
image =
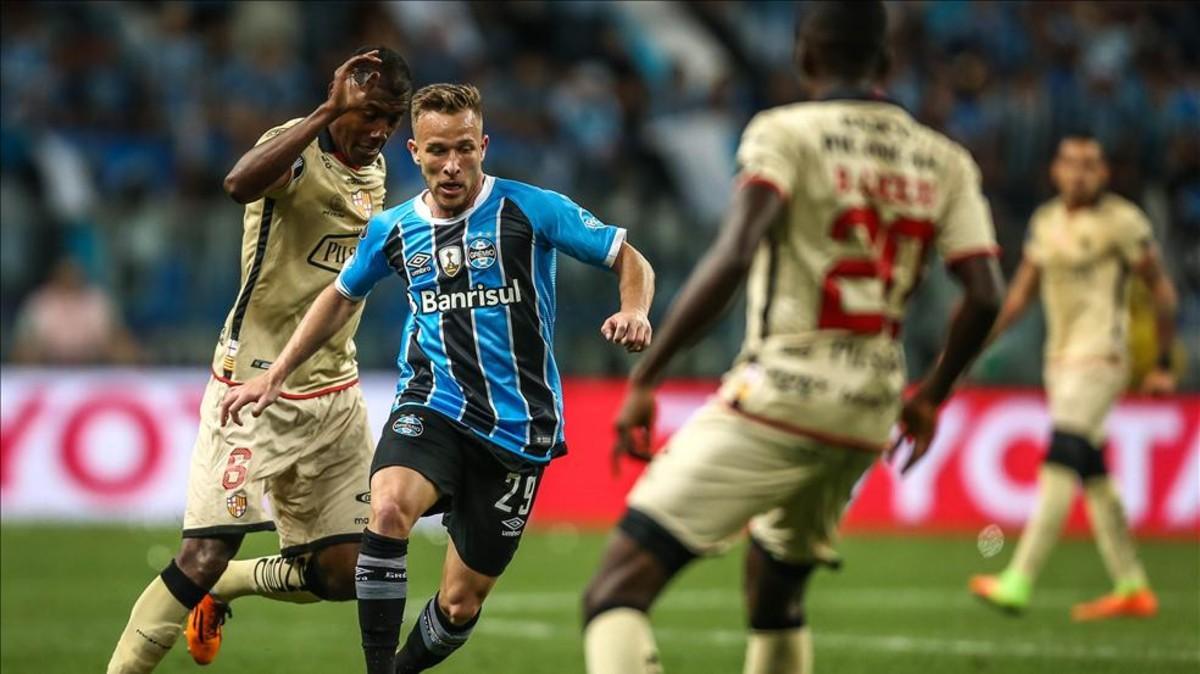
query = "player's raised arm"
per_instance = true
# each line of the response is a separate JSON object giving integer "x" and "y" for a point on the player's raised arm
{"x": 630, "y": 327}
{"x": 328, "y": 313}
{"x": 268, "y": 165}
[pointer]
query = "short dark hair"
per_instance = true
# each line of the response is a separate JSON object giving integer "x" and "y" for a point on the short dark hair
{"x": 1080, "y": 135}
{"x": 447, "y": 98}
{"x": 849, "y": 39}
{"x": 394, "y": 75}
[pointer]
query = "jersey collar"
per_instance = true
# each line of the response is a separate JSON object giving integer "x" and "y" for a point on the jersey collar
{"x": 325, "y": 142}
{"x": 422, "y": 209}
{"x": 874, "y": 95}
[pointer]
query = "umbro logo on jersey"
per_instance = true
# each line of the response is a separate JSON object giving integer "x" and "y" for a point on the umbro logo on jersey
{"x": 419, "y": 264}
{"x": 481, "y": 297}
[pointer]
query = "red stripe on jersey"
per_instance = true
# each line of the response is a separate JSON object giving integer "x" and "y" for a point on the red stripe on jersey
{"x": 294, "y": 396}
{"x": 754, "y": 179}
{"x": 989, "y": 251}
{"x": 844, "y": 443}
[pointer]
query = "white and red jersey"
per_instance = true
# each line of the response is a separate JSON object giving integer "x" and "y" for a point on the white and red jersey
{"x": 870, "y": 192}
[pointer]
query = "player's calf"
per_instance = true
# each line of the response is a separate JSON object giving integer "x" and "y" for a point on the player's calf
{"x": 779, "y": 639}
{"x": 155, "y": 621}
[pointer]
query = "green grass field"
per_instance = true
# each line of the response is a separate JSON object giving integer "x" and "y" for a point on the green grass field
{"x": 899, "y": 606}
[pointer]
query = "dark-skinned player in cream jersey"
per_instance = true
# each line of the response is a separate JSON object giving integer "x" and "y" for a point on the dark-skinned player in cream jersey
{"x": 838, "y": 202}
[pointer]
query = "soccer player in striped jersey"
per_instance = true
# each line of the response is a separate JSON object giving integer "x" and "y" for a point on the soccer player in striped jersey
{"x": 309, "y": 186}
{"x": 840, "y": 200}
{"x": 479, "y": 408}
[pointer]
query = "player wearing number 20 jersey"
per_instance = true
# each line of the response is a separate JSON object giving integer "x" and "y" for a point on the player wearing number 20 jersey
{"x": 871, "y": 193}
{"x": 841, "y": 201}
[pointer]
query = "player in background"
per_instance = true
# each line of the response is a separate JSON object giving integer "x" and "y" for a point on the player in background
{"x": 478, "y": 413}
{"x": 1082, "y": 247}
{"x": 837, "y": 204}
{"x": 309, "y": 187}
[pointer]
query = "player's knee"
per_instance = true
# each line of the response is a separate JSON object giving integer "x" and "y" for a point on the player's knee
{"x": 774, "y": 590}
{"x": 461, "y": 604}
{"x": 205, "y": 559}
{"x": 330, "y": 574}
{"x": 1076, "y": 453}
{"x": 639, "y": 562}
{"x": 390, "y": 517}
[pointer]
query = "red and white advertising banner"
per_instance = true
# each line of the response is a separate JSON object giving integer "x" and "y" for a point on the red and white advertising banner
{"x": 112, "y": 445}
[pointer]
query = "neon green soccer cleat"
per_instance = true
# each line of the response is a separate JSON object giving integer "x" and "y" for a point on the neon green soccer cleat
{"x": 1009, "y": 591}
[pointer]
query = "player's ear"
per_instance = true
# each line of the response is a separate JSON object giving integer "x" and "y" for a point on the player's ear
{"x": 412, "y": 149}
{"x": 483, "y": 146}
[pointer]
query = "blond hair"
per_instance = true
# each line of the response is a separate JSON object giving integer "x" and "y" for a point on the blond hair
{"x": 446, "y": 98}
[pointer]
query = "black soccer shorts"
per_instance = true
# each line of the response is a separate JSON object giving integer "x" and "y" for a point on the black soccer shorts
{"x": 485, "y": 492}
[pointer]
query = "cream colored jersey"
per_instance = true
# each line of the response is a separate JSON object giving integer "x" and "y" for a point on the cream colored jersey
{"x": 295, "y": 241}
{"x": 870, "y": 192}
{"x": 1085, "y": 257}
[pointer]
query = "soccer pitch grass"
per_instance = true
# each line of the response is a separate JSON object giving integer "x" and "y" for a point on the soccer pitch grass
{"x": 898, "y": 606}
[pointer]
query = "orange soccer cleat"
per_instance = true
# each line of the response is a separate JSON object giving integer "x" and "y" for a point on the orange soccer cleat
{"x": 1138, "y": 604}
{"x": 204, "y": 629}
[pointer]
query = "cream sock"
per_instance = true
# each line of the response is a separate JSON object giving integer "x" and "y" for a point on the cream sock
{"x": 779, "y": 652}
{"x": 1056, "y": 490}
{"x": 275, "y": 577}
{"x": 1112, "y": 534}
{"x": 620, "y": 641}
{"x": 154, "y": 625}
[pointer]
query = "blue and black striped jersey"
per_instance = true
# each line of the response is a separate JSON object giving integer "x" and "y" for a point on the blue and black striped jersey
{"x": 478, "y": 337}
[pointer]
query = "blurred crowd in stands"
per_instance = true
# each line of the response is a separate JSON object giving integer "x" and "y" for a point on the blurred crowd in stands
{"x": 119, "y": 120}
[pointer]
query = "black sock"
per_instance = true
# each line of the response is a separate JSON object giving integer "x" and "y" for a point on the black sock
{"x": 381, "y": 585}
{"x": 432, "y": 640}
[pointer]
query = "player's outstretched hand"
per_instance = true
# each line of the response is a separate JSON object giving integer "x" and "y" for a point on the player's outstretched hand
{"x": 634, "y": 426}
{"x": 349, "y": 92}
{"x": 1159, "y": 383}
{"x": 918, "y": 424}
{"x": 630, "y": 329}
{"x": 261, "y": 391}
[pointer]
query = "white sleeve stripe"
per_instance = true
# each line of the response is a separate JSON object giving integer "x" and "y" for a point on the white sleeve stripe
{"x": 615, "y": 248}
{"x": 341, "y": 288}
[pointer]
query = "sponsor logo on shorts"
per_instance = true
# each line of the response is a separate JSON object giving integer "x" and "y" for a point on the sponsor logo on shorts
{"x": 362, "y": 520}
{"x": 514, "y": 526}
{"x": 481, "y": 253}
{"x": 363, "y": 497}
{"x": 236, "y": 503}
{"x": 408, "y": 424}
{"x": 419, "y": 264}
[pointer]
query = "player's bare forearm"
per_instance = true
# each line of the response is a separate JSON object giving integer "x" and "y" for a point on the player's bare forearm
{"x": 715, "y": 280}
{"x": 267, "y": 165}
{"x": 328, "y": 313}
{"x": 630, "y": 327}
{"x": 983, "y": 289}
{"x": 635, "y": 279}
{"x": 1020, "y": 294}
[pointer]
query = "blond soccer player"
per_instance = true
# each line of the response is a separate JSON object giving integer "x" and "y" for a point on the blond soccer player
{"x": 1083, "y": 248}
{"x": 309, "y": 186}
{"x": 840, "y": 201}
